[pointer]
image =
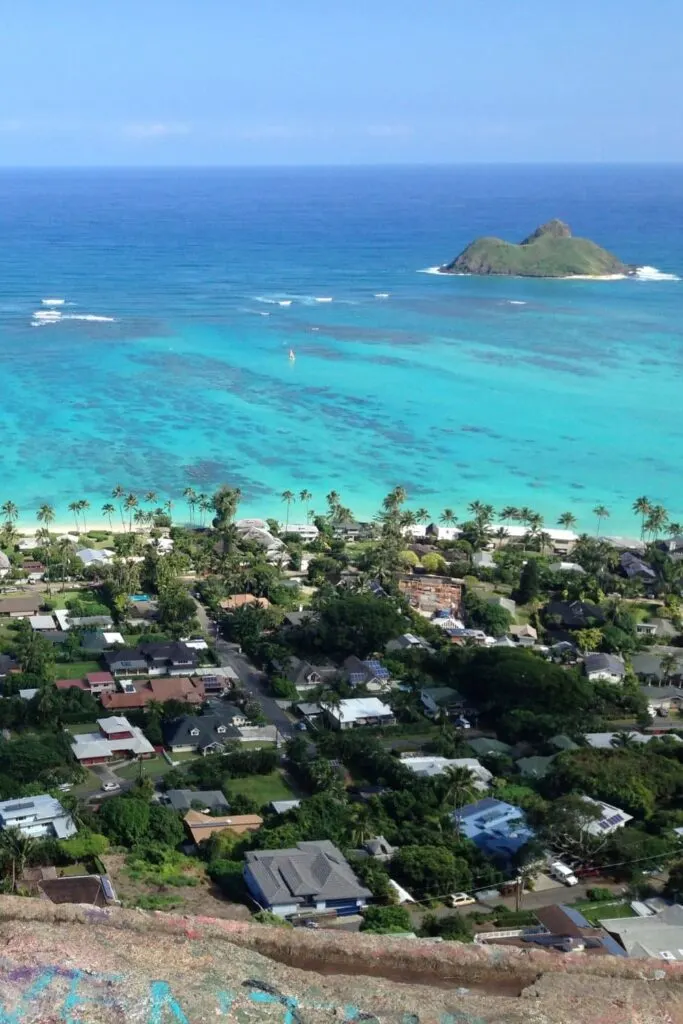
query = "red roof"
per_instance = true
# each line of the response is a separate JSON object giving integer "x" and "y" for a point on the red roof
{"x": 100, "y": 677}
{"x": 70, "y": 684}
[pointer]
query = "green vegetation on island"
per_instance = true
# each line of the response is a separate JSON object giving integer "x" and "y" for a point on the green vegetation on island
{"x": 551, "y": 251}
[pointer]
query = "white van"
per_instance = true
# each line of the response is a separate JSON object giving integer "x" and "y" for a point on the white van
{"x": 562, "y": 873}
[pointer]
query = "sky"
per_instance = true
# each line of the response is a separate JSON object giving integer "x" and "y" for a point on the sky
{"x": 279, "y": 82}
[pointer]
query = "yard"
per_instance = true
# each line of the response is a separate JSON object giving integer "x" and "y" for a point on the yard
{"x": 594, "y": 911}
{"x": 76, "y": 669}
{"x": 261, "y": 788}
{"x": 153, "y": 768}
{"x": 78, "y": 728}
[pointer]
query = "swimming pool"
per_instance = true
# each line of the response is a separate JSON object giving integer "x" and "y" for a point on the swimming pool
{"x": 139, "y": 598}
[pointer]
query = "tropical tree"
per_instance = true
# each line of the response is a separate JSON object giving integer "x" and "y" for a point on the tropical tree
{"x": 118, "y": 494}
{"x": 74, "y": 507}
{"x": 668, "y": 666}
{"x": 509, "y": 513}
{"x": 656, "y": 521}
{"x": 288, "y": 497}
{"x": 140, "y": 517}
{"x": 305, "y": 497}
{"x": 15, "y": 848}
{"x": 422, "y": 515}
{"x": 129, "y": 504}
{"x": 600, "y": 512}
{"x": 46, "y": 515}
{"x": 642, "y": 507}
{"x": 168, "y": 509}
{"x": 448, "y": 517}
{"x": 83, "y": 506}
{"x": 481, "y": 512}
{"x": 674, "y": 529}
{"x": 190, "y": 496}
{"x": 10, "y": 512}
{"x": 624, "y": 740}
{"x": 568, "y": 520}
{"x": 108, "y": 510}
{"x": 151, "y": 497}
{"x": 333, "y": 501}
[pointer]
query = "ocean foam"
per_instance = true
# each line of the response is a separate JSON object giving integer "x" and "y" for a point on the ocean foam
{"x": 90, "y": 316}
{"x": 433, "y": 270}
{"x": 47, "y": 315}
{"x": 515, "y": 302}
{"x": 652, "y": 274}
{"x": 284, "y": 302}
{"x": 52, "y": 302}
{"x": 382, "y": 295}
{"x": 322, "y": 298}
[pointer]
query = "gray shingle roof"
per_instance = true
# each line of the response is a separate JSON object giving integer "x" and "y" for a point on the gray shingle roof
{"x": 182, "y": 799}
{"x": 178, "y": 733}
{"x": 604, "y": 663}
{"x": 310, "y": 871}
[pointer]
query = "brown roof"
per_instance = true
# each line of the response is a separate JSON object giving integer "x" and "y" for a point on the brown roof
{"x": 173, "y": 688}
{"x": 30, "y": 603}
{"x": 240, "y": 600}
{"x": 77, "y": 889}
{"x": 201, "y": 826}
{"x": 69, "y": 684}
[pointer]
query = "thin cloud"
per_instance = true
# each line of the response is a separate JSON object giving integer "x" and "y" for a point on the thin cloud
{"x": 156, "y": 130}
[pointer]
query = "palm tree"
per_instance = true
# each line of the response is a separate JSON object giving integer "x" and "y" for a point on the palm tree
{"x": 674, "y": 529}
{"x": 600, "y": 512}
{"x": 422, "y": 515}
{"x": 304, "y": 497}
{"x": 151, "y": 498}
{"x": 83, "y": 506}
{"x": 10, "y": 512}
{"x": 568, "y": 520}
{"x": 509, "y": 513}
{"x": 74, "y": 507}
{"x": 448, "y": 517}
{"x": 16, "y": 848}
{"x": 140, "y": 517}
{"x": 656, "y": 521}
{"x": 168, "y": 509}
{"x": 458, "y": 790}
{"x": 525, "y": 513}
{"x": 361, "y": 824}
{"x": 190, "y": 496}
{"x": 333, "y": 500}
{"x": 205, "y": 506}
{"x": 108, "y": 510}
{"x": 288, "y": 497}
{"x": 46, "y": 514}
{"x": 118, "y": 494}
{"x": 624, "y": 740}
{"x": 642, "y": 507}
{"x": 65, "y": 551}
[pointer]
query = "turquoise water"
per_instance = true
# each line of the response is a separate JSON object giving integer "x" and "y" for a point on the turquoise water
{"x": 552, "y": 394}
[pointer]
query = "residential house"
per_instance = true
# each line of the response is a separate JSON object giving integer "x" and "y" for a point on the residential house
{"x": 202, "y": 826}
{"x": 100, "y": 682}
{"x": 408, "y": 642}
{"x": 306, "y": 531}
{"x": 566, "y": 930}
{"x": 496, "y": 827}
{"x": 207, "y": 733}
{"x": 5, "y": 564}
{"x": 71, "y": 684}
{"x": 634, "y": 568}
{"x": 647, "y": 665}
{"x": 657, "y": 936}
{"x": 217, "y": 679}
{"x": 138, "y": 695}
{"x": 443, "y": 619}
{"x": 302, "y": 617}
{"x": 438, "y": 699}
{"x": 506, "y": 603}
{"x": 605, "y": 740}
{"x": 273, "y": 548}
{"x": 429, "y": 593}
{"x": 93, "y": 556}
{"x": 117, "y": 740}
{"x": 21, "y": 607}
{"x": 525, "y": 635}
{"x": 196, "y": 799}
{"x": 40, "y": 622}
{"x": 379, "y": 849}
{"x": 463, "y": 637}
{"x": 483, "y": 560}
{"x": 562, "y": 541}
{"x": 371, "y": 673}
{"x": 309, "y": 877}
{"x": 167, "y": 658}
{"x": 232, "y": 604}
{"x": 429, "y": 766}
{"x": 534, "y": 767}
{"x": 309, "y": 710}
{"x": 504, "y": 641}
{"x": 562, "y": 742}
{"x": 611, "y": 818}
{"x": 282, "y": 806}
{"x": 90, "y": 890}
{"x": 663, "y": 629}
{"x": 439, "y": 532}
{"x": 484, "y": 746}
{"x": 37, "y": 817}
{"x": 358, "y": 711}
{"x": 349, "y": 530}
{"x": 575, "y": 614}
{"x": 126, "y": 661}
{"x": 660, "y": 699}
{"x": 305, "y": 675}
{"x": 567, "y": 567}
{"x": 609, "y": 668}
{"x": 7, "y": 665}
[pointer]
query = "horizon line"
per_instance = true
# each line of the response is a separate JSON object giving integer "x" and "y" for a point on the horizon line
{"x": 401, "y": 165}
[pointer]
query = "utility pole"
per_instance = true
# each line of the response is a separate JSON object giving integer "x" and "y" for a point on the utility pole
{"x": 519, "y": 891}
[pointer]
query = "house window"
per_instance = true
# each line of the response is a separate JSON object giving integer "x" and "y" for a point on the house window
{"x": 221, "y": 728}
{"x": 194, "y": 732}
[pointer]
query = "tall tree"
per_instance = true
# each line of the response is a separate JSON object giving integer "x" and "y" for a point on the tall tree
{"x": 108, "y": 510}
{"x": 16, "y": 848}
{"x": 568, "y": 520}
{"x": 118, "y": 494}
{"x": 305, "y": 497}
{"x": 642, "y": 507}
{"x": 74, "y": 507}
{"x": 46, "y": 515}
{"x": 509, "y": 514}
{"x": 448, "y": 517}
{"x": 656, "y": 521}
{"x": 288, "y": 497}
{"x": 129, "y": 504}
{"x": 83, "y": 506}
{"x": 600, "y": 512}
{"x": 190, "y": 496}
{"x": 10, "y": 512}
{"x": 151, "y": 497}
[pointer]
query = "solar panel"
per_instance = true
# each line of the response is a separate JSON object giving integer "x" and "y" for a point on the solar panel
{"x": 373, "y": 665}
{"x": 603, "y": 823}
{"x": 616, "y": 819}
{"x": 356, "y": 677}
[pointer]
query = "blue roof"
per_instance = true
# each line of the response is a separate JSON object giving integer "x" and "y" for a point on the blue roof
{"x": 377, "y": 668}
{"x": 497, "y": 828}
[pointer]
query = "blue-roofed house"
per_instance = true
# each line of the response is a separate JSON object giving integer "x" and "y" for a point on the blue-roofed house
{"x": 499, "y": 829}
{"x": 371, "y": 672}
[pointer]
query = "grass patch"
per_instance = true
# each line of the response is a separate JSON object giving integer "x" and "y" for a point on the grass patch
{"x": 153, "y": 902}
{"x": 76, "y": 669}
{"x": 91, "y": 784}
{"x": 594, "y": 911}
{"x": 175, "y": 869}
{"x": 72, "y": 869}
{"x": 78, "y": 728}
{"x": 153, "y": 768}
{"x": 261, "y": 788}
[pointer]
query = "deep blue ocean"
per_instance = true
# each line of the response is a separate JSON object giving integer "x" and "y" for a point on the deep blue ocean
{"x": 551, "y": 394}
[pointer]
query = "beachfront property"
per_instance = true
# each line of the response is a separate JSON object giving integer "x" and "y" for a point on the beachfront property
{"x": 429, "y": 766}
{"x": 306, "y": 531}
{"x": 116, "y": 740}
{"x": 609, "y": 668}
{"x": 310, "y": 877}
{"x": 356, "y": 712}
{"x": 38, "y": 817}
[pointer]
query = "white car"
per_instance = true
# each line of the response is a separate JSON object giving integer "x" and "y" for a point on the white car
{"x": 109, "y": 787}
{"x": 460, "y": 899}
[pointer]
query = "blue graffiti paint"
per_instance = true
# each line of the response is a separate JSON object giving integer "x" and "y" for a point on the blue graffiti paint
{"x": 262, "y": 992}
{"x": 162, "y": 999}
{"x": 225, "y": 1001}
{"x": 43, "y": 981}
{"x": 461, "y": 1018}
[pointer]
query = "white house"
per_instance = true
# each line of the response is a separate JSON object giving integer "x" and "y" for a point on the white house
{"x": 610, "y": 820}
{"x": 606, "y": 667}
{"x": 93, "y": 556}
{"x": 307, "y": 531}
{"x": 358, "y": 711}
{"x": 567, "y": 567}
{"x": 37, "y": 816}
{"x": 427, "y": 767}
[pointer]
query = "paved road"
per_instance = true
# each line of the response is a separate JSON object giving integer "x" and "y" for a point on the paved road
{"x": 251, "y": 679}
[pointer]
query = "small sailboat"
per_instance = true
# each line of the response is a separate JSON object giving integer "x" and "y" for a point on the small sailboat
{"x": 292, "y": 357}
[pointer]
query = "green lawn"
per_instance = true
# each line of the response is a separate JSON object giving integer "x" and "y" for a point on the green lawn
{"x": 262, "y": 788}
{"x": 594, "y": 912}
{"x": 92, "y": 784}
{"x": 154, "y": 768}
{"x": 76, "y": 669}
{"x": 76, "y": 728}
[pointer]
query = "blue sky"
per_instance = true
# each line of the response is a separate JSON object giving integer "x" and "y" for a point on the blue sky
{"x": 218, "y": 82}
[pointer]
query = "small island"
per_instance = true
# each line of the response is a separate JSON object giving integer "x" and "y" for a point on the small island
{"x": 551, "y": 251}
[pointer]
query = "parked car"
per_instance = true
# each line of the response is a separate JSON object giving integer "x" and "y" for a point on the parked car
{"x": 110, "y": 787}
{"x": 462, "y": 723}
{"x": 460, "y": 899}
{"x": 562, "y": 873}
